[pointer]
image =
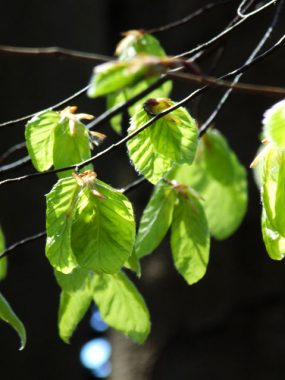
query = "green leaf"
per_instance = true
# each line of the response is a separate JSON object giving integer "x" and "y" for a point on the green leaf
{"x": 170, "y": 140}
{"x": 156, "y": 219}
{"x": 71, "y": 145}
{"x": 61, "y": 203}
{"x": 273, "y": 189}
{"x": 225, "y": 196}
{"x": 8, "y": 315}
{"x": 39, "y": 135}
{"x": 137, "y": 42}
{"x": 3, "y": 262}
{"x": 116, "y": 75}
{"x": 190, "y": 239}
{"x": 121, "y": 306}
{"x": 103, "y": 232}
{"x": 274, "y": 124}
{"x": 133, "y": 264}
{"x": 74, "y": 302}
{"x": 72, "y": 281}
{"x": 274, "y": 242}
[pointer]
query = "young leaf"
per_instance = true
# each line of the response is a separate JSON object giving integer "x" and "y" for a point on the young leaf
{"x": 137, "y": 42}
{"x": 39, "y": 135}
{"x": 274, "y": 242}
{"x": 103, "y": 231}
{"x": 3, "y": 262}
{"x": 75, "y": 300}
{"x": 8, "y": 315}
{"x": 273, "y": 189}
{"x": 170, "y": 140}
{"x": 156, "y": 219}
{"x": 71, "y": 145}
{"x": 121, "y": 305}
{"x": 61, "y": 203}
{"x": 134, "y": 43}
{"x": 190, "y": 238}
{"x": 274, "y": 124}
{"x": 117, "y": 75}
{"x": 223, "y": 186}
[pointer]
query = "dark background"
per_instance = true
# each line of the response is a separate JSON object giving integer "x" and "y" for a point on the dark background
{"x": 228, "y": 326}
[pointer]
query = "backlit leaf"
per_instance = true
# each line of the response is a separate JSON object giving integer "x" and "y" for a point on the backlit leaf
{"x": 61, "y": 202}
{"x": 103, "y": 232}
{"x": 8, "y": 315}
{"x": 170, "y": 140}
{"x": 190, "y": 238}
{"x": 121, "y": 305}
{"x": 274, "y": 124}
{"x": 75, "y": 300}
{"x": 273, "y": 189}
{"x": 223, "y": 187}
{"x": 39, "y": 135}
{"x": 274, "y": 242}
{"x": 3, "y": 262}
{"x": 71, "y": 145}
{"x": 156, "y": 219}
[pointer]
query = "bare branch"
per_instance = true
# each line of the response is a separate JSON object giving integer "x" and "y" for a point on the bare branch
{"x": 221, "y": 34}
{"x": 241, "y": 14}
{"x": 53, "y": 51}
{"x": 242, "y": 87}
{"x": 12, "y": 150}
{"x": 55, "y": 106}
{"x": 189, "y": 17}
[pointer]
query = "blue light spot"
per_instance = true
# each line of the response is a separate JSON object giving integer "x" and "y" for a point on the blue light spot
{"x": 97, "y": 322}
{"x": 95, "y": 353}
{"x": 103, "y": 371}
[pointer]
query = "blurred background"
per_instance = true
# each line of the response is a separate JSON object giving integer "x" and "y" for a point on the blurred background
{"x": 228, "y": 326}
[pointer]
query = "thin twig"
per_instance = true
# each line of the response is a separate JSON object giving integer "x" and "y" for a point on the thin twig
{"x": 242, "y": 87}
{"x": 179, "y": 104}
{"x": 55, "y": 106}
{"x": 226, "y": 95}
{"x": 15, "y": 164}
{"x": 133, "y": 185}
{"x": 12, "y": 150}
{"x": 220, "y": 35}
{"x": 188, "y": 18}
{"x": 21, "y": 243}
{"x": 53, "y": 51}
{"x": 241, "y": 14}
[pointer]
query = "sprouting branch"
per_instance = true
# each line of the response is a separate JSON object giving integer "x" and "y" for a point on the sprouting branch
{"x": 53, "y": 51}
{"x": 179, "y": 104}
{"x": 188, "y": 18}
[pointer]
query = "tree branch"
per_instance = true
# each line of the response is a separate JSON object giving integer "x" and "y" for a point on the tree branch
{"x": 181, "y": 103}
{"x": 55, "y": 106}
{"x": 188, "y": 18}
{"x": 259, "y": 46}
{"x": 52, "y": 51}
